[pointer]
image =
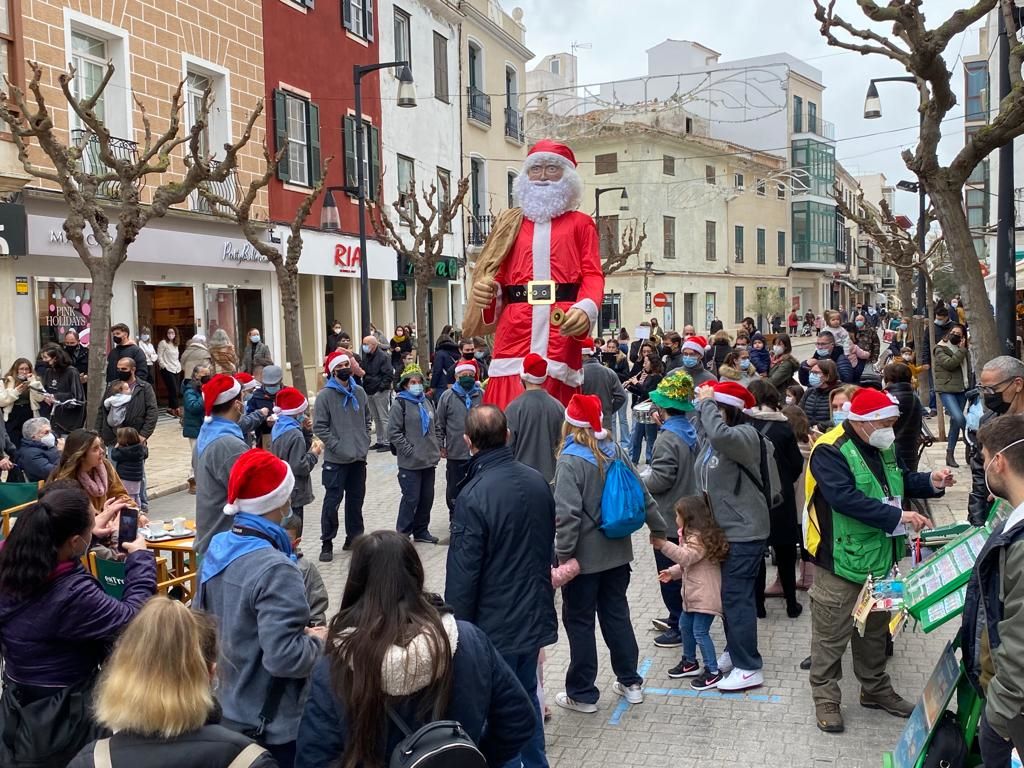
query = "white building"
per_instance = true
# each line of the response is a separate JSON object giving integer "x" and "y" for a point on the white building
{"x": 553, "y": 85}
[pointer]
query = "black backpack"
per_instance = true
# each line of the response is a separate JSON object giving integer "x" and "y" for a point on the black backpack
{"x": 947, "y": 748}
{"x": 440, "y": 744}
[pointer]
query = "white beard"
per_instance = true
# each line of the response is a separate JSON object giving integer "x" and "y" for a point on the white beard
{"x": 543, "y": 201}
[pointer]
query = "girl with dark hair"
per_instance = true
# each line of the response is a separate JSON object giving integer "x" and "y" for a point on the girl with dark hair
{"x": 646, "y": 376}
{"x": 784, "y": 367}
{"x": 394, "y": 650}
{"x": 64, "y": 403}
{"x": 822, "y": 378}
{"x": 169, "y": 360}
{"x": 57, "y": 625}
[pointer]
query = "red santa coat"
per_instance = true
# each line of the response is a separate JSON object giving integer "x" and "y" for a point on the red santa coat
{"x": 564, "y": 250}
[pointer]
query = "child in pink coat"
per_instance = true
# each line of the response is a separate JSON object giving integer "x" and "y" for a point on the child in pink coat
{"x": 698, "y": 557}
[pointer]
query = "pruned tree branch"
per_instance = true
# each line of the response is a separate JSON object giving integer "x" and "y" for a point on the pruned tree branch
{"x": 619, "y": 253}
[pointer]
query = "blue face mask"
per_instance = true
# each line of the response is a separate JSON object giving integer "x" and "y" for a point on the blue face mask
{"x": 690, "y": 362}
{"x": 416, "y": 389}
{"x": 814, "y": 379}
{"x": 839, "y": 417}
{"x": 744, "y": 364}
{"x": 366, "y": 349}
{"x": 859, "y": 323}
{"x": 255, "y": 338}
{"x": 822, "y": 352}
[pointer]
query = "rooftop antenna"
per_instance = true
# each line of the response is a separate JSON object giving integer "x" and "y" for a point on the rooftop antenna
{"x": 575, "y": 46}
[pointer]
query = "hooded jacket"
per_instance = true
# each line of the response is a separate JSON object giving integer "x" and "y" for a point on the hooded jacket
{"x": 37, "y": 460}
{"x": 194, "y": 409}
{"x": 670, "y": 475}
{"x": 908, "y": 425}
{"x": 784, "y": 517}
{"x": 442, "y": 369}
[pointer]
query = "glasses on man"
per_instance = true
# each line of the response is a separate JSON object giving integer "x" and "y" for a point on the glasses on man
{"x": 997, "y": 389}
{"x": 546, "y": 170}
{"x": 823, "y": 345}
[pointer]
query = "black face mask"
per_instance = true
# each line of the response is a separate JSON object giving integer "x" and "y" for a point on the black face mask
{"x": 995, "y": 403}
{"x": 118, "y": 340}
{"x": 343, "y": 373}
{"x": 468, "y": 355}
{"x": 124, "y": 375}
{"x": 204, "y": 379}
{"x": 955, "y": 339}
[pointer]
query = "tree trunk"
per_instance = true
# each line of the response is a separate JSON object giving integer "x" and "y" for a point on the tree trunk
{"x": 286, "y": 281}
{"x": 102, "y": 289}
{"x": 950, "y": 213}
{"x": 906, "y": 290}
{"x": 423, "y": 331}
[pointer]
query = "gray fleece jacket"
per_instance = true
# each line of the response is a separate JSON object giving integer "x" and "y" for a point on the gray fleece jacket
{"x": 451, "y": 422}
{"x": 316, "y": 591}
{"x": 405, "y": 433}
{"x": 671, "y": 475}
{"x": 743, "y": 514}
{"x": 260, "y": 604}
{"x": 212, "y": 470}
{"x": 291, "y": 448}
{"x": 578, "y": 488}
{"x": 601, "y": 381}
{"x": 344, "y": 431}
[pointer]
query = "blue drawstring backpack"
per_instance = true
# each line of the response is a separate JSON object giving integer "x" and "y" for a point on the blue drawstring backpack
{"x": 623, "y": 507}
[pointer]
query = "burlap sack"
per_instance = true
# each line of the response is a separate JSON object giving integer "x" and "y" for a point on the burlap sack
{"x": 499, "y": 243}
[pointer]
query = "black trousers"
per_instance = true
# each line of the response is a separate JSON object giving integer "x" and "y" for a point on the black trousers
{"x": 786, "y": 560}
{"x": 454, "y": 472}
{"x": 671, "y": 594}
{"x": 417, "y": 499}
{"x": 346, "y": 481}
{"x": 172, "y": 381}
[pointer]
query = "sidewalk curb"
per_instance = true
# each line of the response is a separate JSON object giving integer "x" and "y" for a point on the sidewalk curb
{"x": 168, "y": 490}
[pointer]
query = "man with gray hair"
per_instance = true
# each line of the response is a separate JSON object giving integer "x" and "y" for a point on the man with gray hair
{"x": 1001, "y": 385}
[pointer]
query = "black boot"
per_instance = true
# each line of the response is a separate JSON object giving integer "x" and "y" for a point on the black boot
{"x": 951, "y": 460}
{"x": 327, "y": 552}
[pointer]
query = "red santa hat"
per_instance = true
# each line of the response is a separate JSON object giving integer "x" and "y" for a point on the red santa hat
{"x": 219, "y": 390}
{"x": 334, "y": 359}
{"x": 290, "y": 402}
{"x": 872, "y": 405}
{"x": 546, "y": 151}
{"x": 535, "y": 369}
{"x": 697, "y": 343}
{"x": 247, "y": 381}
{"x": 735, "y": 394}
{"x": 587, "y": 346}
{"x": 259, "y": 483}
{"x": 467, "y": 366}
{"x": 585, "y": 411}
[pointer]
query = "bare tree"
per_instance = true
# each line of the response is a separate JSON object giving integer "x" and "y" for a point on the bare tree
{"x": 767, "y": 303}
{"x": 101, "y": 186}
{"x": 919, "y": 49}
{"x": 423, "y": 247}
{"x": 617, "y": 255}
{"x": 286, "y": 267}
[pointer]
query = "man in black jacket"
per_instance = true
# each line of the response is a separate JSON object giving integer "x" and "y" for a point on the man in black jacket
{"x": 1001, "y": 384}
{"x": 140, "y": 414}
{"x": 377, "y": 381}
{"x": 125, "y": 347}
{"x": 499, "y": 561}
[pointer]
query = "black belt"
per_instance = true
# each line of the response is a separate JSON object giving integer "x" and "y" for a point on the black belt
{"x": 541, "y": 292}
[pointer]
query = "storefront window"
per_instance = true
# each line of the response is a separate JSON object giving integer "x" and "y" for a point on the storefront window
{"x": 63, "y": 305}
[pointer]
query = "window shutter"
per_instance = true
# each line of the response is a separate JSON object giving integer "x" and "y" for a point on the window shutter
{"x": 281, "y": 132}
{"x": 346, "y": 14}
{"x": 373, "y": 135}
{"x": 368, "y": 20}
{"x": 440, "y": 67}
{"x": 313, "y": 119}
{"x": 349, "y": 126}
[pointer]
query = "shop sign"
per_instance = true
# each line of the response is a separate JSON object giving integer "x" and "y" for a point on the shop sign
{"x": 64, "y": 306}
{"x": 21, "y": 285}
{"x": 242, "y": 253}
{"x": 13, "y": 230}
{"x": 61, "y": 237}
{"x": 399, "y": 290}
{"x": 347, "y": 258}
{"x": 447, "y": 268}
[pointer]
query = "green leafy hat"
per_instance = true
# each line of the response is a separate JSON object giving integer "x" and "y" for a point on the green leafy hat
{"x": 412, "y": 369}
{"x": 674, "y": 391}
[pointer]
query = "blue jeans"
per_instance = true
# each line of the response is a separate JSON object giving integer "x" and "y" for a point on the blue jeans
{"x": 696, "y": 631}
{"x": 739, "y": 575}
{"x": 622, "y": 415}
{"x": 642, "y": 432}
{"x": 954, "y": 403}
{"x": 524, "y": 667}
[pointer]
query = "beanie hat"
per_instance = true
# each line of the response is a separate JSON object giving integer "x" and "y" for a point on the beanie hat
{"x": 587, "y": 346}
{"x": 219, "y": 390}
{"x": 412, "y": 369}
{"x": 585, "y": 411}
{"x": 290, "y": 402}
{"x": 467, "y": 366}
{"x": 697, "y": 343}
{"x": 735, "y": 394}
{"x": 247, "y": 381}
{"x": 259, "y": 483}
{"x": 334, "y": 359}
{"x": 674, "y": 391}
{"x": 535, "y": 369}
{"x": 872, "y": 405}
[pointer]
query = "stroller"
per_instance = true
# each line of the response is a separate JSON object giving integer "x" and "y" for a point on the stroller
{"x": 807, "y": 329}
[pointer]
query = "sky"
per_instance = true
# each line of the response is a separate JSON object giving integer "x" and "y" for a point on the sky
{"x": 746, "y": 28}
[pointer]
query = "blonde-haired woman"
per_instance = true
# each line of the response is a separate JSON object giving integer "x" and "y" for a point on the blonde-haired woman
{"x": 600, "y": 588}
{"x": 156, "y": 695}
{"x": 222, "y": 353}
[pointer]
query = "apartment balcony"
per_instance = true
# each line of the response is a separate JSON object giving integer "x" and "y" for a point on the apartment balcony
{"x": 478, "y": 106}
{"x": 805, "y": 123}
{"x": 888, "y": 282}
{"x": 478, "y": 229}
{"x": 514, "y": 125}
{"x": 227, "y": 189}
{"x": 92, "y": 163}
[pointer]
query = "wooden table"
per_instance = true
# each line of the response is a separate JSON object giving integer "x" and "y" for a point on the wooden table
{"x": 178, "y": 549}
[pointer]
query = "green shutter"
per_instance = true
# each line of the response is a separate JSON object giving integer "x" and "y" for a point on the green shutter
{"x": 314, "y": 143}
{"x": 346, "y": 14}
{"x": 349, "y": 126}
{"x": 373, "y": 132}
{"x": 368, "y": 21}
{"x": 281, "y": 132}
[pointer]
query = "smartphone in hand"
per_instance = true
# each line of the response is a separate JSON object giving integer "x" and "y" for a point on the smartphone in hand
{"x": 128, "y": 528}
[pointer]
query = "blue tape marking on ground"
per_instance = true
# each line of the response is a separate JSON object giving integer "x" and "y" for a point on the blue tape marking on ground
{"x": 761, "y": 698}
{"x": 623, "y": 705}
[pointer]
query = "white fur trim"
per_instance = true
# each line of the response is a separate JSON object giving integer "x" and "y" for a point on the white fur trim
{"x": 601, "y": 434}
{"x": 545, "y": 158}
{"x": 577, "y": 422}
{"x": 725, "y": 399}
{"x": 263, "y": 505}
{"x": 250, "y": 385}
{"x": 689, "y": 344}
{"x": 513, "y": 366}
{"x": 588, "y": 306}
{"x": 540, "y": 314}
{"x": 888, "y": 412}
{"x": 532, "y": 379}
{"x": 207, "y": 419}
{"x": 587, "y": 351}
{"x": 292, "y": 411}
{"x": 465, "y": 366}
{"x": 228, "y": 394}
{"x": 337, "y": 361}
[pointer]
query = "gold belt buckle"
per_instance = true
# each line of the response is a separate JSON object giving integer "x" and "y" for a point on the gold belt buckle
{"x": 540, "y": 292}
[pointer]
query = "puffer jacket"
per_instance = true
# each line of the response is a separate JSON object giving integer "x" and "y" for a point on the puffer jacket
{"x": 37, "y": 460}
{"x": 815, "y": 405}
{"x": 908, "y": 425}
{"x": 949, "y": 367}
{"x": 196, "y": 354}
{"x": 195, "y": 409}
{"x": 702, "y": 579}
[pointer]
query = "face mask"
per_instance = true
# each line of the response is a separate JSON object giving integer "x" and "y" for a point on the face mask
{"x": 955, "y": 340}
{"x": 468, "y": 355}
{"x": 744, "y": 364}
{"x": 741, "y": 347}
{"x": 48, "y": 440}
{"x": 479, "y": 355}
{"x": 255, "y": 338}
{"x": 839, "y": 417}
{"x": 415, "y": 390}
{"x": 953, "y": 304}
{"x": 144, "y": 337}
{"x": 998, "y": 493}
{"x": 22, "y": 377}
{"x": 908, "y": 358}
{"x": 690, "y": 362}
{"x": 778, "y": 350}
{"x": 118, "y": 339}
{"x": 814, "y": 379}
{"x": 903, "y": 326}
{"x": 790, "y": 400}
{"x": 398, "y": 334}
{"x": 83, "y": 553}
{"x": 204, "y": 379}
{"x": 996, "y": 404}
{"x": 343, "y": 373}
{"x": 466, "y": 382}
{"x": 366, "y": 349}
{"x": 940, "y": 322}
{"x": 124, "y": 375}
{"x": 337, "y": 331}
{"x": 72, "y": 345}
{"x": 272, "y": 389}
{"x": 822, "y": 352}
{"x": 882, "y": 438}
{"x": 859, "y": 323}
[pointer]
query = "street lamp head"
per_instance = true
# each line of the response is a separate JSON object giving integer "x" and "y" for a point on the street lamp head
{"x": 624, "y": 202}
{"x": 648, "y": 266}
{"x": 907, "y": 186}
{"x": 406, "y": 88}
{"x": 872, "y": 103}
{"x": 330, "y": 221}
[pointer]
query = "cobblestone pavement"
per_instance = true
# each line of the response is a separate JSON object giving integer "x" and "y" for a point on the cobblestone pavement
{"x": 772, "y": 726}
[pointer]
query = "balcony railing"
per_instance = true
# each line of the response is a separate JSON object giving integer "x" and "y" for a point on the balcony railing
{"x": 479, "y": 107}
{"x": 478, "y": 229}
{"x": 807, "y": 123}
{"x": 93, "y": 164}
{"x": 514, "y": 124}
{"x": 227, "y": 189}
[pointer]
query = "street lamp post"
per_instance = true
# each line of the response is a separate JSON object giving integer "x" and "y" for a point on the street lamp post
{"x": 623, "y": 200}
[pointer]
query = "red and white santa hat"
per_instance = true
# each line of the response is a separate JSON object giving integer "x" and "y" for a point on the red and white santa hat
{"x": 697, "y": 343}
{"x": 585, "y": 411}
{"x": 334, "y": 359}
{"x": 535, "y": 369}
{"x": 290, "y": 402}
{"x": 259, "y": 483}
{"x": 735, "y": 394}
{"x": 548, "y": 151}
{"x": 871, "y": 405}
{"x": 219, "y": 390}
{"x": 247, "y": 381}
{"x": 587, "y": 346}
{"x": 465, "y": 367}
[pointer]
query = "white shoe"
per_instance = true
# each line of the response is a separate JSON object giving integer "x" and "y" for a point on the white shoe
{"x": 634, "y": 694}
{"x": 562, "y": 699}
{"x": 725, "y": 663}
{"x": 741, "y": 680}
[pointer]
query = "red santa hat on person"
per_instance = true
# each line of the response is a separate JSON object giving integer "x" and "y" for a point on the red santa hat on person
{"x": 697, "y": 343}
{"x": 587, "y": 346}
{"x": 219, "y": 390}
{"x": 548, "y": 151}
{"x": 334, "y": 359}
{"x": 735, "y": 394}
{"x": 466, "y": 367}
{"x": 535, "y": 369}
{"x": 872, "y": 405}
{"x": 290, "y": 402}
{"x": 248, "y": 382}
{"x": 585, "y": 411}
{"x": 259, "y": 483}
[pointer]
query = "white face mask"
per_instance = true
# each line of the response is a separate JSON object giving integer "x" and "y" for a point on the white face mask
{"x": 778, "y": 350}
{"x": 987, "y": 486}
{"x": 882, "y": 438}
{"x": 790, "y": 400}
{"x": 48, "y": 440}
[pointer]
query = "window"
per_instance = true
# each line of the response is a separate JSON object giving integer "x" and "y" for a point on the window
{"x": 710, "y": 176}
{"x": 608, "y": 163}
{"x": 440, "y": 68}
{"x": 798, "y": 115}
{"x": 980, "y": 173}
{"x": 739, "y": 314}
{"x": 976, "y": 89}
{"x": 782, "y": 248}
{"x": 689, "y": 125}
{"x": 8, "y": 57}
{"x": 817, "y": 160}
{"x": 670, "y": 236}
{"x": 710, "y": 241}
{"x": 511, "y": 179}
{"x": 975, "y": 209}
{"x": 298, "y": 141}
{"x": 738, "y": 242}
{"x": 406, "y": 180}
{"x": 195, "y": 86}
{"x": 780, "y": 191}
{"x": 668, "y": 165}
{"x": 737, "y": 180}
{"x": 89, "y": 58}
{"x": 477, "y": 183}
{"x": 710, "y": 311}
{"x": 608, "y": 235}
{"x": 403, "y": 43}
{"x": 357, "y": 17}
{"x": 444, "y": 191}
{"x": 371, "y": 156}
{"x": 556, "y": 67}
{"x": 297, "y": 127}
{"x": 761, "y": 245}
{"x": 812, "y": 117}
{"x": 760, "y": 187}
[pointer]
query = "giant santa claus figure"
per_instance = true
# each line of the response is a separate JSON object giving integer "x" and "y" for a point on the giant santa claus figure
{"x": 538, "y": 282}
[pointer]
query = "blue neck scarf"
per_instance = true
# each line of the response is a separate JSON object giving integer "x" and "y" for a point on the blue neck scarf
{"x": 572, "y": 448}
{"x": 681, "y": 427}
{"x": 216, "y": 428}
{"x": 282, "y": 425}
{"x": 348, "y": 393}
{"x": 424, "y": 411}
{"x": 227, "y": 547}
{"x": 467, "y": 397}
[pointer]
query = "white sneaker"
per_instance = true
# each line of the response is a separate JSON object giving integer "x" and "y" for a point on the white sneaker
{"x": 634, "y": 694}
{"x": 725, "y": 663}
{"x": 741, "y": 680}
{"x": 562, "y": 699}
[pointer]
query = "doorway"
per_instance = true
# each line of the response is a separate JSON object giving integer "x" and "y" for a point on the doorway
{"x": 161, "y": 306}
{"x": 236, "y": 310}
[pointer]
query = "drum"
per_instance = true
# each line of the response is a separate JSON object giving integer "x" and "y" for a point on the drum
{"x": 643, "y": 413}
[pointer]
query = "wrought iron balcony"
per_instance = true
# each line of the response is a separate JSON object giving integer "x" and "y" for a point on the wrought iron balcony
{"x": 92, "y": 163}
{"x": 479, "y": 105}
{"x": 478, "y": 229}
{"x": 514, "y": 125}
{"x": 228, "y": 189}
